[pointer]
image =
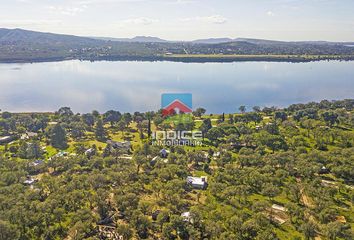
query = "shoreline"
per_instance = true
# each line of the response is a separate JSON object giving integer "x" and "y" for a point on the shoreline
{"x": 193, "y": 58}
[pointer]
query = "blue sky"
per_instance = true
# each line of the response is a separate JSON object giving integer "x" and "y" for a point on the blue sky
{"x": 186, "y": 19}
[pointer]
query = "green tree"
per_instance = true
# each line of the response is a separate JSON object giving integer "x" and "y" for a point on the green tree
{"x": 88, "y": 119}
{"x": 281, "y": 115}
{"x": 199, "y": 112}
{"x": 58, "y": 137}
{"x": 270, "y": 190}
{"x": 112, "y": 117}
{"x": 8, "y": 231}
{"x": 205, "y": 127}
{"x": 100, "y": 131}
{"x": 330, "y": 117}
{"x": 309, "y": 230}
{"x": 242, "y": 109}
{"x": 34, "y": 150}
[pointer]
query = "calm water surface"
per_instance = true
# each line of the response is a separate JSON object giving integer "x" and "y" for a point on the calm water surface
{"x": 137, "y": 86}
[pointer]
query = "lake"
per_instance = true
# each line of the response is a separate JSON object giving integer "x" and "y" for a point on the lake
{"x": 137, "y": 86}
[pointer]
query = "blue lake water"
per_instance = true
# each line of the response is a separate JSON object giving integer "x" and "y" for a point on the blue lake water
{"x": 137, "y": 86}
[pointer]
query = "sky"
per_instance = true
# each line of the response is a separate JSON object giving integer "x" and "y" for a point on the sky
{"x": 290, "y": 20}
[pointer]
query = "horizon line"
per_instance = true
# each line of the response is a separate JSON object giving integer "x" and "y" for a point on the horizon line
{"x": 205, "y": 38}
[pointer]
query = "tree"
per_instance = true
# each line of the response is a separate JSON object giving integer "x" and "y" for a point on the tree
{"x": 330, "y": 118}
{"x": 257, "y": 109}
{"x": 254, "y": 117}
{"x": 206, "y": 126}
{"x": 294, "y": 192}
{"x": 77, "y": 130}
{"x": 281, "y": 115}
{"x": 199, "y": 112}
{"x": 158, "y": 120}
{"x": 34, "y": 150}
{"x": 6, "y": 115}
{"x": 127, "y": 118}
{"x": 112, "y": 117}
{"x": 125, "y": 231}
{"x": 58, "y": 137}
{"x": 142, "y": 224}
{"x": 95, "y": 113}
{"x": 242, "y": 109}
{"x": 308, "y": 124}
{"x": 231, "y": 119}
{"x": 214, "y": 134}
{"x": 8, "y": 231}
{"x": 80, "y": 148}
{"x": 309, "y": 230}
{"x": 88, "y": 119}
{"x": 100, "y": 131}
{"x": 65, "y": 112}
{"x": 270, "y": 191}
{"x": 333, "y": 230}
{"x": 274, "y": 142}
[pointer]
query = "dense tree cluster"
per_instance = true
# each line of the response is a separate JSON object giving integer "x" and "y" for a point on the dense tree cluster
{"x": 271, "y": 173}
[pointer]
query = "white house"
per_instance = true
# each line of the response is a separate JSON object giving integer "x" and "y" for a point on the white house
{"x": 197, "y": 182}
{"x": 90, "y": 152}
{"x": 29, "y": 135}
{"x": 186, "y": 216}
{"x": 29, "y": 181}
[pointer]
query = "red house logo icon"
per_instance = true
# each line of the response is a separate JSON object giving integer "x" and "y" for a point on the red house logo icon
{"x": 176, "y": 103}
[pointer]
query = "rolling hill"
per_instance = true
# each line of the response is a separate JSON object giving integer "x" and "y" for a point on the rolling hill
{"x": 18, "y": 45}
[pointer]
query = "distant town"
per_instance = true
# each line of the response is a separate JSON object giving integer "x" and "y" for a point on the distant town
{"x": 18, "y": 45}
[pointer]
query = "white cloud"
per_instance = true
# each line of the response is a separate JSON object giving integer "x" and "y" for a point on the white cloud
{"x": 216, "y": 19}
{"x": 71, "y": 11}
{"x": 140, "y": 21}
{"x": 270, "y": 14}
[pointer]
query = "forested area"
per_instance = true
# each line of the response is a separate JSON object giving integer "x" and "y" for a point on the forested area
{"x": 271, "y": 173}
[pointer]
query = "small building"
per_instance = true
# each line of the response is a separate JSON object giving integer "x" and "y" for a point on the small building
{"x": 323, "y": 170}
{"x": 197, "y": 182}
{"x": 90, "y": 152}
{"x": 186, "y": 216}
{"x": 29, "y": 135}
{"x": 6, "y": 139}
{"x": 36, "y": 163}
{"x": 157, "y": 159}
{"x": 154, "y": 161}
{"x": 164, "y": 153}
{"x": 30, "y": 181}
{"x": 119, "y": 145}
{"x": 60, "y": 154}
{"x": 216, "y": 154}
{"x": 279, "y": 208}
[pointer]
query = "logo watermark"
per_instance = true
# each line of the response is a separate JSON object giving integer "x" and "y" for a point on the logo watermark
{"x": 176, "y": 103}
{"x": 177, "y": 138}
{"x": 177, "y": 110}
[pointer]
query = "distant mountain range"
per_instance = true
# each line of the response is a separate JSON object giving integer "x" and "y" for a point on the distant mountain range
{"x": 18, "y": 45}
{"x": 26, "y": 36}
{"x": 21, "y": 35}
{"x": 135, "y": 39}
{"x": 212, "y": 40}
